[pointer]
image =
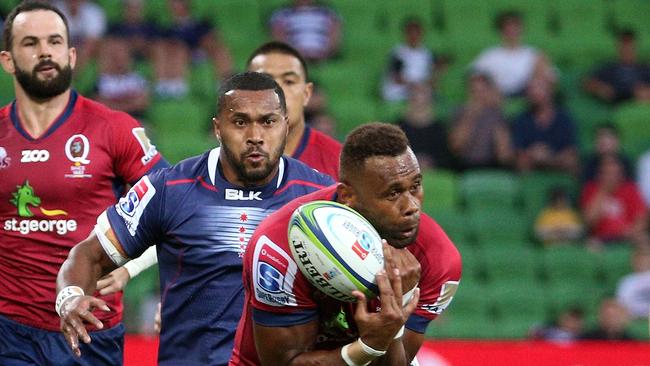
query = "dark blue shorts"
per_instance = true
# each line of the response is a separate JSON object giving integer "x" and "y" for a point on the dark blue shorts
{"x": 21, "y": 345}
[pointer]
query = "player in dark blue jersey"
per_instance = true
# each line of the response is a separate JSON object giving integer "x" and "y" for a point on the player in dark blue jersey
{"x": 199, "y": 214}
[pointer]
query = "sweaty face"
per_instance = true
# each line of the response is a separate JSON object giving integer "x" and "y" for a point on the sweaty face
{"x": 287, "y": 71}
{"x": 41, "y": 59}
{"x": 252, "y": 129}
{"x": 388, "y": 192}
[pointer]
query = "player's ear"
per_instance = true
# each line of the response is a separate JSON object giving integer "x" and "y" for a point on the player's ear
{"x": 215, "y": 126}
{"x": 72, "y": 54}
{"x": 346, "y": 194}
{"x": 7, "y": 62}
{"x": 309, "y": 90}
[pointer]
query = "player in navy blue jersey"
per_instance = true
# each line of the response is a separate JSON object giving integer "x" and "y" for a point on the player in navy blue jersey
{"x": 199, "y": 214}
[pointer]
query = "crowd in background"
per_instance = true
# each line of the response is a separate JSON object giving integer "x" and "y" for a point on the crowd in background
{"x": 137, "y": 61}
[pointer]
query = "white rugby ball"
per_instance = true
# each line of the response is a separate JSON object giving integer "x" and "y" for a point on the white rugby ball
{"x": 336, "y": 249}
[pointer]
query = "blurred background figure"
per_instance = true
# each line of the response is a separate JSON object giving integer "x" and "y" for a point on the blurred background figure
{"x": 119, "y": 86}
{"x": 565, "y": 329}
{"x": 544, "y": 136}
{"x": 612, "y": 206}
{"x": 607, "y": 142}
{"x": 87, "y": 23}
{"x": 134, "y": 28}
{"x": 479, "y": 136}
{"x": 324, "y": 122}
{"x": 184, "y": 41}
{"x": 427, "y": 135}
{"x": 409, "y": 63}
{"x": 559, "y": 221}
{"x": 623, "y": 79}
{"x": 613, "y": 320}
{"x": 512, "y": 65}
{"x": 313, "y": 29}
{"x": 633, "y": 291}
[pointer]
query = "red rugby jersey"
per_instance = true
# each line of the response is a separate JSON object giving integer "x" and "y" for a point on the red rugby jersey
{"x": 52, "y": 188}
{"x": 320, "y": 152}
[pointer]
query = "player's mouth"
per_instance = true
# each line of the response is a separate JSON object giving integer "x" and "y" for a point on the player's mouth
{"x": 409, "y": 231}
{"x": 255, "y": 157}
{"x": 48, "y": 69}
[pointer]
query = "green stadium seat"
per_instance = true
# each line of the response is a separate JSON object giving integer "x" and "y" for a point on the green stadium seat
{"x": 632, "y": 14}
{"x": 440, "y": 190}
{"x": 489, "y": 188}
{"x": 572, "y": 292}
{"x": 495, "y": 226}
{"x": 633, "y": 120}
{"x": 454, "y": 223}
{"x": 499, "y": 266}
{"x": 351, "y": 111}
{"x": 615, "y": 264}
{"x": 517, "y": 307}
{"x": 6, "y": 88}
{"x": 638, "y": 328}
{"x": 563, "y": 264}
{"x": 473, "y": 264}
{"x": 362, "y": 38}
{"x": 395, "y": 13}
{"x": 180, "y": 128}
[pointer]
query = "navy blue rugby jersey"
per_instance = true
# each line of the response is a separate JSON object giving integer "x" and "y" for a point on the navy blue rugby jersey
{"x": 201, "y": 225}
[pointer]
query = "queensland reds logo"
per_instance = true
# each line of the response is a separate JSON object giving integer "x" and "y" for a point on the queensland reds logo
{"x": 77, "y": 148}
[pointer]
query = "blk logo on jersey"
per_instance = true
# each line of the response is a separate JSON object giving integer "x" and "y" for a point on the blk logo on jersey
{"x": 77, "y": 149}
{"x": 132, "y": 205}
{"x": 5, "y": 160}
{"x": 239, "y": 195}
{"x": 26, "y": 200}
{"x": 274, "y": 273}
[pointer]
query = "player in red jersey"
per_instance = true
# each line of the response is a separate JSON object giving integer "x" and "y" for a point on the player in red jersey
{"x": 65, "y": 158}
{"x": 288, "y": 321}
{"x": 288, "y": 68}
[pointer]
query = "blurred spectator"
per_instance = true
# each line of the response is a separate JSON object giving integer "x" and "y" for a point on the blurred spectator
{"x": 410, "y": 62}
{"x": 313, "y": 29}
{"x": 544, "y": 137}
{"x": 612, "y": 206}
{"x": 513, "y": 65}
{"x": 428, "y": 136}
{"x": 324, "y": 123}
{"x": 559, "y": 221}
{"x": 565, "y": 329}
{"x": 134, "y": 28}
{"x": 479, "y": 135}
{"x": 624, "y": 78}
{"x": 633, "y": 291}
{"x": 87, "y": 24}
{"x": 643, "y": 176}
{"x": 182, "y": 42}
{"x": 317, "y": 103}
{"x": 607, "y": 143}
{"x": 612, "y": 321}
{"x": 118, "y": 85}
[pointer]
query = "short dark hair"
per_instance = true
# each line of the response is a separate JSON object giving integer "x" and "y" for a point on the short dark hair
{"x": 23, "y": 7}
{"x": 412, "y": 21}
{"x": 505, "y": 16}
{"x": 368, "y": 140}
{"x": 279, "y": 47}
{"x": 608, "y": 126}
{"x": 626, "y": 35}
{"x": 250, "y": 81}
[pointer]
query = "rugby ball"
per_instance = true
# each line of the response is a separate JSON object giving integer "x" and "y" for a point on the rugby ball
{"x": 336, "y": 249}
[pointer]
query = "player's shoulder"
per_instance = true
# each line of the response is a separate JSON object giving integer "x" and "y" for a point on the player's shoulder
{"x": 433, "y": 248}
{"x": 323, "y": 140}
{"x": 182, "y": 173}
{"x": 298, "y": 171}
{"x": 103, "y": 114}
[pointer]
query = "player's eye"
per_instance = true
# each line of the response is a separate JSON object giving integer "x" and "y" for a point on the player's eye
{"x": 239, "y": 122}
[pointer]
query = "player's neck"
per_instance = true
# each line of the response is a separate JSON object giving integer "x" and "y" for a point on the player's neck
{"x": 294, "y": 138}
{"x": 36, "y": 116}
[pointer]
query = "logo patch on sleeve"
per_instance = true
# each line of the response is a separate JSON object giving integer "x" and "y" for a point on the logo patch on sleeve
{"x": 447, "y": 293}
{"x": 274, "y": 273}
{"x": 148, "y": 148}
{"x": 132, "y": 205}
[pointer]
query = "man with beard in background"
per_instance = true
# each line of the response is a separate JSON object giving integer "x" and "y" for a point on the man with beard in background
{"x": 66, "y": 159}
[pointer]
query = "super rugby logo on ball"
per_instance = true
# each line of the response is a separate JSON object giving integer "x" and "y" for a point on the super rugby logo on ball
{"x": 336, "y": 249}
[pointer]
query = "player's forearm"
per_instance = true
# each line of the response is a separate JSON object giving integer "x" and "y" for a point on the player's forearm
{"x": 85, "y": 264}
{"x": 396, "y": 355}
{"x": 146, "y": 260}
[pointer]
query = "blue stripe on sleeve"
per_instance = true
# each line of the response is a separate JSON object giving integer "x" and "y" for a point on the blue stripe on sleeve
{"x": 417, "y": 323}
{"x": 269, "y": 319}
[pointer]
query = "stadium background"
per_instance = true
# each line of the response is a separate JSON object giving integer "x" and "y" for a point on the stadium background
{"x": 510, "y": 283}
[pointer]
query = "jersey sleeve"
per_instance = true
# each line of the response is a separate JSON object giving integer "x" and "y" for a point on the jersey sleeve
{"x": 136, "y": 219}
{"x": 134, "y": 153}
{"x": 279, "y": 294}
{"x": 439, "y": 280}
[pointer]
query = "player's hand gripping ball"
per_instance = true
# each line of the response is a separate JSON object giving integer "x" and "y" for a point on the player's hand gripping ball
{"x": 336, "y": 249}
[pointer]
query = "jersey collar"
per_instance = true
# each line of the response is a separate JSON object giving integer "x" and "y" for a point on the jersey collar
{"x": 67, "y": 111}
{"x": 304, "y": 141}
